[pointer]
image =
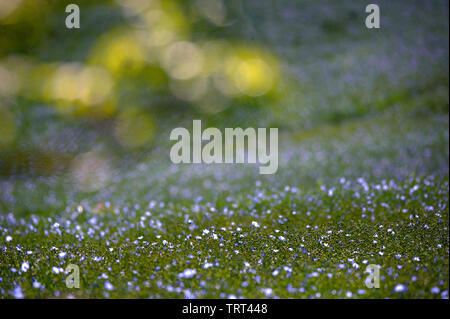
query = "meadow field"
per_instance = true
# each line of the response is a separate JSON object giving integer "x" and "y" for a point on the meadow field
{"x": 86, "y": 178}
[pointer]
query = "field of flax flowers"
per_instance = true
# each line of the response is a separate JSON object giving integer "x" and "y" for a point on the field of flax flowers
{"x": 86, "y": 179}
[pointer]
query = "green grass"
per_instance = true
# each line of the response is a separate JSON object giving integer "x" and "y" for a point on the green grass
{"x": 319, "y": 243}
{"x": 151, "y": 219}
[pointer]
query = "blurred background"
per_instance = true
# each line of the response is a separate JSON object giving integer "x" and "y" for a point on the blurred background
{"x": 85, "y": 114}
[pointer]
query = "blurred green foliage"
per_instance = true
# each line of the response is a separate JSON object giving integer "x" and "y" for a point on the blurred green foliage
{"x": 136, "y": 69}
{"x": 129, "y": 69}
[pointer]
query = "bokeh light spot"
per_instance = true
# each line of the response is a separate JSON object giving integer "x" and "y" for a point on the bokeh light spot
{"x": 7, "y": 7}
{"x": 253, "y": 77}
{"x": 119, "y": 51}
{"x": 91, "y": 171}
{"x": 183, "y": 60}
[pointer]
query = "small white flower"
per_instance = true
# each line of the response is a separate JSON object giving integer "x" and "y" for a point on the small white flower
{"x": 188, "y": 294}
{"x": 207, "y": 265}
{"x": 25, "y": 266}
{"x": 62, "y": 254}
{"x": 57, "y": 270}
{"x": 108, "y": 286}
{"x": 435, "y": 290}
{"x": 187, "y": 273}
{"x": 36, "y": 284}
{"x": 287, "y": 269}
{"x": 255, "y": 224}
{"x": 400, "y": 288}
{"x": 9, "y": 238}
{"x": 267, "y": 291}
{"x": 17, "y": 292}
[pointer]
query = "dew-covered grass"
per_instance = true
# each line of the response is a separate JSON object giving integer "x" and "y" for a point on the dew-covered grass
{"x": 266, "y": 242}
{"x": 224, "y": 231}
